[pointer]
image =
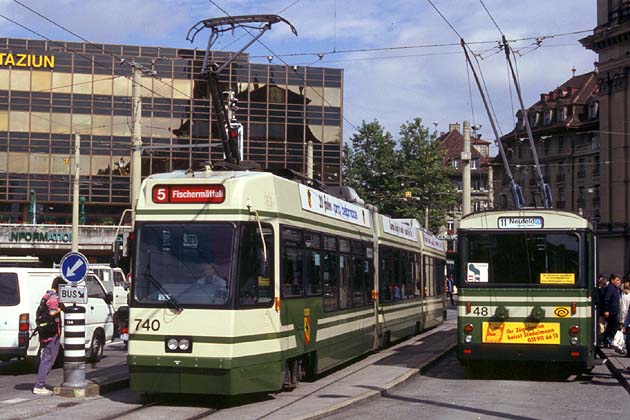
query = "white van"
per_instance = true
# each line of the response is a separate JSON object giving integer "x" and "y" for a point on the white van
{"x": 21, "y": 290}
{"x": 114, "y": 281}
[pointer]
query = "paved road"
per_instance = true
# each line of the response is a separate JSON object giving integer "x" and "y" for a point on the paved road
{"x": 444, "y": 393}
{"x": 16, "y": 377}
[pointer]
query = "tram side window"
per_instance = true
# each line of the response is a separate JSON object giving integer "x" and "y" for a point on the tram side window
{"x": 330, "y": 271}
{"x": 255, "y": 279}
{"x": 417, "y": 275}
{"x": 387, "y": 275}
{"x": 312, "y": 264}
{"x": 292, "y": 263}
{"x": 429, "y": 277}
{"x": 407, "y": 276}
{"x": 346, "y": 269}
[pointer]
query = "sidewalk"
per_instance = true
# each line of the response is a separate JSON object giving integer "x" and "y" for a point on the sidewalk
{"x": 619, "y": 364}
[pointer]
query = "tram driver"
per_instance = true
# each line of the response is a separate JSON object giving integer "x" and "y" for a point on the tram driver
{"x": 216, "y": 283}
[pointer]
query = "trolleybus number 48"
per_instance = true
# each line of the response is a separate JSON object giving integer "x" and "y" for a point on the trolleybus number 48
{"x": 148, "y": 325}
{"x": 480, "y": 311}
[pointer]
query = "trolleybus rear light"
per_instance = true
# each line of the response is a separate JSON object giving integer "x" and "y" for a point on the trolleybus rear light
{"x": 468, "y": 328}
{"x": 573, "y": 308}
{"x": 574, "y": 330}
{"x": 468, "y": 307}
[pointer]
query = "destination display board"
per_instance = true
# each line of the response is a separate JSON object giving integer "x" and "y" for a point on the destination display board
{"x": 518, "y": 222}
{"x": 188, "y": 194}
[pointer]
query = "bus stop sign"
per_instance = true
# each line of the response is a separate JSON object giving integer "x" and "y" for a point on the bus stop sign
{"x": 73, "y": 267}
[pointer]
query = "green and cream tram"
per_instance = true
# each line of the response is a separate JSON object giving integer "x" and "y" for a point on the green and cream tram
{"x": 526, "y": 282}
{"x": 246, "y": 281}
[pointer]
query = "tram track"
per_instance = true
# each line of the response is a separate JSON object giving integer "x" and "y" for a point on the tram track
{"x": 161, "y": 409}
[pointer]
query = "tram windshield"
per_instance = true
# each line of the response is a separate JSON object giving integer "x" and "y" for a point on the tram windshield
{"x": 184, "y": 264}
{"x": 521, "y": 259}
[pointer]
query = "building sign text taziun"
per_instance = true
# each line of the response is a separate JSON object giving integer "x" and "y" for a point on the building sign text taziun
{"x": 27, "y": 60}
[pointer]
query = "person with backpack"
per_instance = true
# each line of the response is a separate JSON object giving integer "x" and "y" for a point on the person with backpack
{"x": 48, "y": 319}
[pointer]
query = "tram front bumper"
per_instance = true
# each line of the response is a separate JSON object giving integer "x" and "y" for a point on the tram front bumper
{"x": 171, "y": 375}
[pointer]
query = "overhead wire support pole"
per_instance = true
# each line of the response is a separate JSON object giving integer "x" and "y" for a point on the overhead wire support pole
{"x": 545, "y": 190}
{"x": 515, "y": 189}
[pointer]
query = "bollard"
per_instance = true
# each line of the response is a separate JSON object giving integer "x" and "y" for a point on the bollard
{"x": 74, "y": 347}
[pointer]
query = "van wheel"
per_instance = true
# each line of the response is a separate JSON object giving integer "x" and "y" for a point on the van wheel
{"x": 95, "y": 352}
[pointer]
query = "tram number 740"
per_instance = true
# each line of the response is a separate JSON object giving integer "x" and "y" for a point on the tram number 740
{"x": 147, "y": 324}
{"x": 480, "y": 311}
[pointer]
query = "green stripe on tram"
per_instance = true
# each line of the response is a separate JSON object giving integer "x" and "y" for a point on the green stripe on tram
{"x": 216, "y": 339}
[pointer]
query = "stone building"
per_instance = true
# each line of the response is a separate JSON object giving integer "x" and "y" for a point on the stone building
{"x": 611, "y": 40}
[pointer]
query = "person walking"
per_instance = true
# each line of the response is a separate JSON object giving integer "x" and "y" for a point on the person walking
{"x": 624, "y": 314}
{"x": 49, "y": 346}
{"x": 610, "y": 308}
{"x": 450, "y": 288}
{"x": 602, "y": 282}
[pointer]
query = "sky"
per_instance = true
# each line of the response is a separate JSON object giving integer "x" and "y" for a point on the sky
{"x": 396, "y": 76}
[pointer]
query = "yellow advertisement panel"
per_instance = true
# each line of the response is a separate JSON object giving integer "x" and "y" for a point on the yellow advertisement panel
{"x": 521, "y": 332}
{"x": 557, "y": 278}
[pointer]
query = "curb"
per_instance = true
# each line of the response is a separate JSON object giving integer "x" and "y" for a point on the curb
{"x": 614, "y": 370}
{"x": 412, "y": 372}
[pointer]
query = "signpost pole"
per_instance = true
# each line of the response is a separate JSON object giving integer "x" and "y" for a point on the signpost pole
{"x": 73, "y": 268}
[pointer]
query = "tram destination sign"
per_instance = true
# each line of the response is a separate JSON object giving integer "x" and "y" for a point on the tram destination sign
{"x": 188, "y": 194}
{"x": 520, "y": 222}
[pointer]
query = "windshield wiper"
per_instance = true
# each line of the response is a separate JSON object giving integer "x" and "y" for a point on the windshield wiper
{"x": 170, "y": 299}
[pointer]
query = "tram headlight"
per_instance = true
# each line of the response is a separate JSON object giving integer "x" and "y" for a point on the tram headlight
{"x": 468, "y": 339}
{"x": 184, "y": 344}
{"x": 172, "y": 344}
{"x": 178, "y": 344}
{"x": 574, "y": 340}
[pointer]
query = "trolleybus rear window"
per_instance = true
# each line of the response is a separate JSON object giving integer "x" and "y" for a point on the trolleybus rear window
{"x": 10, "y": 295}
{"x": 518, "y": 258}
{"x": 184, "y": 264}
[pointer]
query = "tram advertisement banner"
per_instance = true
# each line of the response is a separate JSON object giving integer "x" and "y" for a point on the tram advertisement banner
{"x": 327, "y": 205}
{"x": 521, "y": 332}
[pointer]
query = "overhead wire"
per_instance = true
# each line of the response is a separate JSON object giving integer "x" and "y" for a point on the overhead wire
{"x": 286, "y": 64}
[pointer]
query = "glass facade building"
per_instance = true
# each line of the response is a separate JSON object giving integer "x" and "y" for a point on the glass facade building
{"x": 51, "y": 90}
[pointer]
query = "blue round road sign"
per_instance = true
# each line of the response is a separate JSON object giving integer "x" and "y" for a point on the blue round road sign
{"x": 73, "y": 267}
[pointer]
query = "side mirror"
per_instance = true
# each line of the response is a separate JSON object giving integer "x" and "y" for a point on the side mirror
{"x": 109, "y": 298}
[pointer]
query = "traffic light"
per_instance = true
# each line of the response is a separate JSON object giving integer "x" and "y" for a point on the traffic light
{"x": 407, "y": 194}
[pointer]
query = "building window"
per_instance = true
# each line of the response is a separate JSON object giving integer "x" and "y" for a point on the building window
{"x": 562, "y": 113}
{"x": 580, "y": 199}
{"x": 581, "y": 170}
{"x": 474, "y": 163}
{"x": 456, "y": 163}
{"x": 593, "y": 110}
{"x": 548, "y": 116}
{"x": 596, "y": 166}
{"x": 560, "y": 144}
{"x": 450, "y": 225}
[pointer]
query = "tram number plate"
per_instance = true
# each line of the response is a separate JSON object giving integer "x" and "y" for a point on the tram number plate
{"x": 147, "y": 324}
{"x": 481, "y": 311}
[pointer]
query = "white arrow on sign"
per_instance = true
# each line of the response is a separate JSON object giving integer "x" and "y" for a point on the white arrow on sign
{"x": 70, "y": 271}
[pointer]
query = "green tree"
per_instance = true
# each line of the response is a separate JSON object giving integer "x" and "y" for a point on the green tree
{"x": 381, "y": 172}
{"x": 424, "y": 176}
{"x": 370, "y": 165}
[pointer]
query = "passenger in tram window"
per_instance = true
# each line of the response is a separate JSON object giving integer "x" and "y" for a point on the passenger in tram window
{"x": 397, "y": 294}
{"x": 217, "y": 283}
